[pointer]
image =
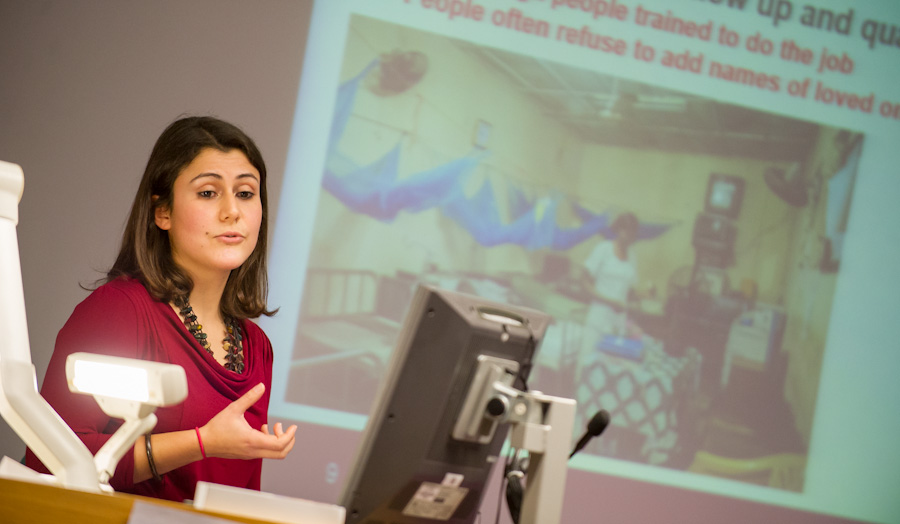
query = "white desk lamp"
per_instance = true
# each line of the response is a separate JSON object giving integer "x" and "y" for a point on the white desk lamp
{"x": 128, "y": 389}
{"x": 28, "y": 414}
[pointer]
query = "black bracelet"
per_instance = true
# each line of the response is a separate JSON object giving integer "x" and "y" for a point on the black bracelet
{"x": 152, "y": 464}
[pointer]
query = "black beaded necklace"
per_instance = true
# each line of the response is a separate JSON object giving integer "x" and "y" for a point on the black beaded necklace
{"x": 234, "y": 356}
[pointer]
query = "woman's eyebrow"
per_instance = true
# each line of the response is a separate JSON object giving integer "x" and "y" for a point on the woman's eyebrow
{"x": 219, "y": 177}
{"x": 202, "y": 175}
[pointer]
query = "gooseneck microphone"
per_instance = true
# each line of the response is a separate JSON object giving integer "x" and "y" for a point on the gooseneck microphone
{"x": 595, "y": 427}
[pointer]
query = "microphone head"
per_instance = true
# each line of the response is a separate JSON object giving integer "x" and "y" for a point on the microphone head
{"x": 598, "y": 423}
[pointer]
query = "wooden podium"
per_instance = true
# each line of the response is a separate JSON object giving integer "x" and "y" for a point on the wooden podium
{"x": 27, "y": 503}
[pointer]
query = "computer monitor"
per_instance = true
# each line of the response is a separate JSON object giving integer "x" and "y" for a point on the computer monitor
{"x": 724, "y": 194}
{"x": 409, "y": 467}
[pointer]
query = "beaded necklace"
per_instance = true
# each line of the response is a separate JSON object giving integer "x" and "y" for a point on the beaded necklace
{"x": 234, "y": 356}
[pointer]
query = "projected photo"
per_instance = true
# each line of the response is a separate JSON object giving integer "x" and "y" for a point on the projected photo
{"x": 687, "y": 249}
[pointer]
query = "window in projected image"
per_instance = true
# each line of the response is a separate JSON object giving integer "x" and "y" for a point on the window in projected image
{"x": 693, "y": 309}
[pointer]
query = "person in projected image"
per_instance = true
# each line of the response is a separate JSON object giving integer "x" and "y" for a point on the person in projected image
{"x": 610, "y": 272}
{"x": 190, "y": 273}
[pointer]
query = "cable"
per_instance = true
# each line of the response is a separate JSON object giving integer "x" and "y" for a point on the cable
{"x": 514, "y": 473}
{"x": 503, "y": 483}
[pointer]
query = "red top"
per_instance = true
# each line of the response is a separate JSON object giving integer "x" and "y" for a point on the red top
{"x": 122, "y": 319}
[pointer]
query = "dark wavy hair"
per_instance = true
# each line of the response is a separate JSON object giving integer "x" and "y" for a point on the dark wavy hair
{"x": 627, "y": 222}
{"x": 145, "y": 253}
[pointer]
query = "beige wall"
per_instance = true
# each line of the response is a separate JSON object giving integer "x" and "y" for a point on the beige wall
{"x": 810, "y": 291}
{"x": 435, "y": 123}
{"x": 670, "y": 188}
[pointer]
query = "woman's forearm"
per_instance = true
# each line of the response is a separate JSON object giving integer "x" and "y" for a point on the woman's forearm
{"x": 170, "y": 451}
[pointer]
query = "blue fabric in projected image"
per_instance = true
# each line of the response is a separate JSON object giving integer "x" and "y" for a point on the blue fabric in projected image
{"x": 375, "y": 191}
{"x": 344, "y": 105}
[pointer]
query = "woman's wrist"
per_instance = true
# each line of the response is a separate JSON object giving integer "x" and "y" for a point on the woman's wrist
{"x": 204, "y": 439}
{"x": 200, "y": 442}
{"x": 151, "y": 462}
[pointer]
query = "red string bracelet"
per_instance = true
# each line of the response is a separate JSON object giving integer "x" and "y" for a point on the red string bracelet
{"x": 200, "y": 440}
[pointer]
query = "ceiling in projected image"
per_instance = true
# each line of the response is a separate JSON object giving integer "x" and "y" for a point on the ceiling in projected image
{"x": 687, "y": 249}
{"x": 609, "y": 110}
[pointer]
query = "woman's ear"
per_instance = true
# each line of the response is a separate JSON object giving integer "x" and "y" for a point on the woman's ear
{"x": 161, "y": 215}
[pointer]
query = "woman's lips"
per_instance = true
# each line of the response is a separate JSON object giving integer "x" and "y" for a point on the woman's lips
{"x": 231, "y": 238}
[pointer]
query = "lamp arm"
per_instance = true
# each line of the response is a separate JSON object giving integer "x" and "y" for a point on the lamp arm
{"x": 24, "y": 409}
{"x": 122, "y": 440}
{"x": 48, "y": 436}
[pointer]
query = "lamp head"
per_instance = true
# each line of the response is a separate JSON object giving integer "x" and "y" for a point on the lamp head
{"x": 124, "y": 387}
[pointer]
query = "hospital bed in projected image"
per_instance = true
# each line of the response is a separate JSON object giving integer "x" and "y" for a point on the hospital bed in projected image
{"x": 345, "y": 337}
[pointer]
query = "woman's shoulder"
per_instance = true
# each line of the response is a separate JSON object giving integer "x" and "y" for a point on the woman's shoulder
{"x": 605, "y": 245}
{"x": 112, "y": 318}
{"x": 120, "y": 290}
{"x": 256, "y": 337}
{"x": 122, "y": 296}
{"x": 602, "y": 250}
{"x": 253, "y": 331}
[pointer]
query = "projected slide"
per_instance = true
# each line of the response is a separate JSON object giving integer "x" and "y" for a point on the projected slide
{"x": 674, "y": 183}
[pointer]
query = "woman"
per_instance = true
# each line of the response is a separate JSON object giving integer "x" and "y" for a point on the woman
{"x": 190, "y": 272}
{"x": 611, "y": 272}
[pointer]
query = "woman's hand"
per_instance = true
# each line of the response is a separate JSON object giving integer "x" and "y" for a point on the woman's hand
{"x": 228, "y": 435}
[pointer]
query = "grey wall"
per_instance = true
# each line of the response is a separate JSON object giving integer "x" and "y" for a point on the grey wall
{"x": 85, "y": 89}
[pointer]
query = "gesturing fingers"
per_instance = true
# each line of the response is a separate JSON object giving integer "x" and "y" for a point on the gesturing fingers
{"x": 278, "y": 429}
{"x": 275, "y": 445}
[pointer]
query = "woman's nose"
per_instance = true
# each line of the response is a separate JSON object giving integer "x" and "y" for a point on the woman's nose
{"x": 229, "y": 210}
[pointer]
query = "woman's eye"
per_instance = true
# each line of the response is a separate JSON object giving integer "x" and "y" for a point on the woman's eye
{"x": 246, "y": 195}
{"x": 206, "y": 194}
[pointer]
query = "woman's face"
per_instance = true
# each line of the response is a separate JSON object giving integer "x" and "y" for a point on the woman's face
{"x": 216, "y": 213}
{"x": 625, "y": 237}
